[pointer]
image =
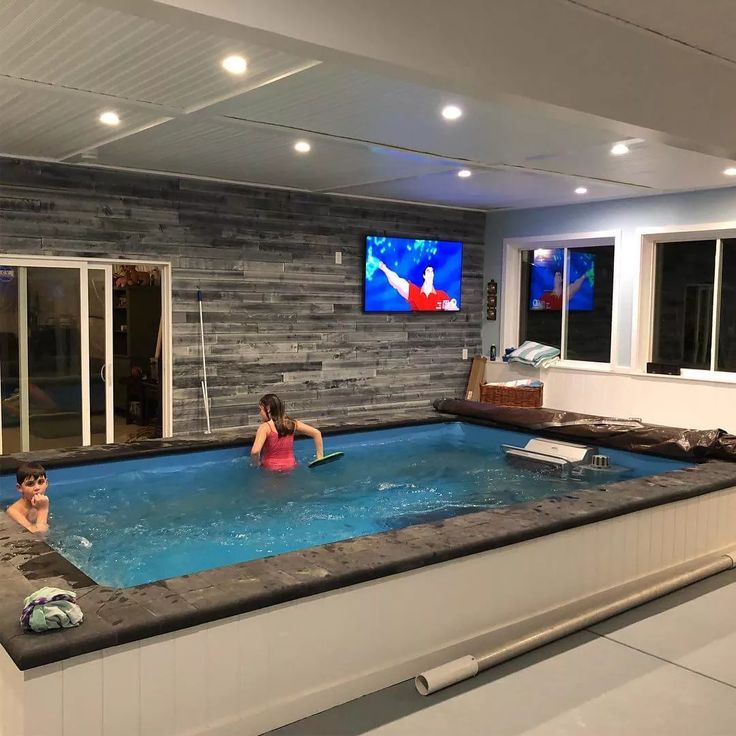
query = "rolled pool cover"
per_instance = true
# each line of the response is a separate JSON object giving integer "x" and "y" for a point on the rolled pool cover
{"x": 622, "y": 434}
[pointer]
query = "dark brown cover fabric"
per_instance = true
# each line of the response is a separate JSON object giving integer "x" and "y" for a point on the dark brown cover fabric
{"x": 623, "y": 434}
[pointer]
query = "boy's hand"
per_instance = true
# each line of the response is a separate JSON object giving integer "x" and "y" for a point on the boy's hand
{"x": 39, "y": 501}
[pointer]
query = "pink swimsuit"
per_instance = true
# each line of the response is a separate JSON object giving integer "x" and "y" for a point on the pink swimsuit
{"x": 278, "y": 452}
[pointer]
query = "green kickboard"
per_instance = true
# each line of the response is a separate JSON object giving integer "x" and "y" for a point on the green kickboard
{"x": 326, "y": 459}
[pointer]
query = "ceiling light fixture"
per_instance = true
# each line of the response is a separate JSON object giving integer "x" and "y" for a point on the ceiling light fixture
{"x": 730, "y": 171}
{"x": 464, "y": 173}
{"x": 581, "y": 190}
{"x": 620, "y": 149}
{"x": 302, "y": 147}
{"x": 451, "y": 112}
{"x": 234, "y": 64}
{"x": 110, "y": 118}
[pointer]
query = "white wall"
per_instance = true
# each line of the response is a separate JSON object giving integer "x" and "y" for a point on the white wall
{"x": 669, "y": 400}
{"x": 630, "y": 217}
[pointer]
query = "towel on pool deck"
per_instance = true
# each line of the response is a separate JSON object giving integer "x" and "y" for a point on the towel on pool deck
{"x": 534, "y": 354}
{"x": 50, "y": 608}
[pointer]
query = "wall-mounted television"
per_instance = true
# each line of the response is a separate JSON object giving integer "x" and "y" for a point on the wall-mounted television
{"x": 545, "y": 283}
{"x": 412, "y": 274}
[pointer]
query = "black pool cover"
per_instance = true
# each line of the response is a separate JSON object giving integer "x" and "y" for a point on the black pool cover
{"x": 623, "y": 434}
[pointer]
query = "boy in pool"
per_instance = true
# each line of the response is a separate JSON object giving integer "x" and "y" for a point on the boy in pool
{"x": 31, "y": 510}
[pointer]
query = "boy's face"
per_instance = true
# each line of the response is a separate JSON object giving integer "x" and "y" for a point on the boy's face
{"x": 32, "y": 486}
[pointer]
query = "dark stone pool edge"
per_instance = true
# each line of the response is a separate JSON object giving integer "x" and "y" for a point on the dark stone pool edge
{"x": 119, "y": 616}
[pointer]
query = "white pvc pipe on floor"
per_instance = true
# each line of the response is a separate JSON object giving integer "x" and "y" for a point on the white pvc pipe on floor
{"x": 457, "y": 670}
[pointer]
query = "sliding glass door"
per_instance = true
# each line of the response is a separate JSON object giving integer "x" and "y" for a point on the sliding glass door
{"x": 55, "y": 354}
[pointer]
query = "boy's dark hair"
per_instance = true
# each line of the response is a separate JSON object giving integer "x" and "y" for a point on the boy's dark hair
{"x": 29, "y": 470}
{"x": 276, "y": 411}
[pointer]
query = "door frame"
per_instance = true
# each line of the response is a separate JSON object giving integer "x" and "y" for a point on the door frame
{"x": 107, "y": 372}
{"x": 166, "y": 372}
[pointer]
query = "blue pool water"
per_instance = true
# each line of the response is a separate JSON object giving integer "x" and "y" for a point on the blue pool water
{"x": 136, "y": 521}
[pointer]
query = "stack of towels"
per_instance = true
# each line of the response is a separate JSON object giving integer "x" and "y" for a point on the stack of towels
{"x": 535, "y": 354}
{"x": 50, "y": 608}
{"x": 524, "y": 383}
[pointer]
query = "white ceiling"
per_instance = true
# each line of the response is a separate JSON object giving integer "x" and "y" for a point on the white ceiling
{"x": 63, "y": 62}
{"x": 709, "y": 25}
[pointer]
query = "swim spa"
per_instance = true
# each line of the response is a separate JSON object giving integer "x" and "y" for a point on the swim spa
{"x": 252, "y": 645}
{"x": 137, "y": 521}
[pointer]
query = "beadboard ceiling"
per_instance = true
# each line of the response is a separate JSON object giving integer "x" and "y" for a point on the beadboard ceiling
{"x": 63, "y": 63}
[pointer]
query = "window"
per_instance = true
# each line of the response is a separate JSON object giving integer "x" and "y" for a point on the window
{"x": 694, "y": 302}
{"x": 567, "y": 300}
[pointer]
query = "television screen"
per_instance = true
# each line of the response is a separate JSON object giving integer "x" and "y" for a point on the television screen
{"x": 412, "y": 275}
{"x": 545, "y": 284}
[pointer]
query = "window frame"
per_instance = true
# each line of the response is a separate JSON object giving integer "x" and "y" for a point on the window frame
{"x": 511, "y": 288}
{"x": 643, "y": 330}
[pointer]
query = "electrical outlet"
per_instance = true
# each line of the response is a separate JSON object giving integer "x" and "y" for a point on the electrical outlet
{"x": 465, "y": 353}
{"x": 338, "y": 257}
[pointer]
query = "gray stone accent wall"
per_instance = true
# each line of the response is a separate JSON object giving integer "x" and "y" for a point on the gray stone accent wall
{"x": 280, "y": 315}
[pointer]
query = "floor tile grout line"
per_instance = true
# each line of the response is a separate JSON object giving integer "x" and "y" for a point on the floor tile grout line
{"x": 662, "y": 659}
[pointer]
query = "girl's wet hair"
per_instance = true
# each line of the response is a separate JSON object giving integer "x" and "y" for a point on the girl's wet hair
{"x": 274, "y": 408}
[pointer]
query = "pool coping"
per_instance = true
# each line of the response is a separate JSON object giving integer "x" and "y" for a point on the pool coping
{"x": 115, "y": 616}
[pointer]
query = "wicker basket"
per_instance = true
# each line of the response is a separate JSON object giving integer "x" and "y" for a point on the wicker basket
{"x": 523, "y": 397}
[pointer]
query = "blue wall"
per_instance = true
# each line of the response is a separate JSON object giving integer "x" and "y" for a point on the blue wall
{"x": 627, "y": 215}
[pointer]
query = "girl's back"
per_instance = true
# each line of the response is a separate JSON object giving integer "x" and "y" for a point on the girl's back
{"x": 278, "y": 452}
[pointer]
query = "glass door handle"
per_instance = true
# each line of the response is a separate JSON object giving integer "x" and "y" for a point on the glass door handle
{"x": 103, "y": 373}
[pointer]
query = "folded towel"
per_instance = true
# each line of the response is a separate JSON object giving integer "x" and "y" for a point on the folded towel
{"x": 50, "y": 608}
{"x": 524, "y": 382}
{"x": 534, "y": 354}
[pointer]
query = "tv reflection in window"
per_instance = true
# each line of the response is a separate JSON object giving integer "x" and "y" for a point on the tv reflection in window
{"x": 545, "y": 287}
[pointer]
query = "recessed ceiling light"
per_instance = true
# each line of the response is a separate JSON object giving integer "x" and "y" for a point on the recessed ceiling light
{"x": 234, "y": 64}
{"x": 581, "y": 190}
{"x": 730, "y": 171}
{"x": 110, "y": 118}
{"x": 464, "y": 173}
{"x": 302, "y": 147}
{"x": 619, "y": 149}
{"x": 451, "y": 112}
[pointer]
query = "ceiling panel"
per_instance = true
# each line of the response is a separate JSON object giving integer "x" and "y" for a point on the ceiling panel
{"x": 647, "y": 164}
{"x": 94, "y": 48}
{"x": 36, "y": 122}
{"x": 355, "y": 104}
{"x": 255, "y": 154}
{"x": 492, "y": 188}
{"x": 710, "y": 26}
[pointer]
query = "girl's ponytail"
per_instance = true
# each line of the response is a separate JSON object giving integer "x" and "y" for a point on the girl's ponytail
{"x": 274, "y": 408}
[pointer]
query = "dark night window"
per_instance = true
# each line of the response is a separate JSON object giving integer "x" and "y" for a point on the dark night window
{"x": 567, "y": 300}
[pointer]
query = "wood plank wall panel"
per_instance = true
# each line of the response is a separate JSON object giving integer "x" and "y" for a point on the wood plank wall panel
{"x": 280, "y": 315}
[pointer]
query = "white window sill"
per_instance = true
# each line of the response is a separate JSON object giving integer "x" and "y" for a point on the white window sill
{"x": 690, "y": 376}
{"x": 582, "y": 365}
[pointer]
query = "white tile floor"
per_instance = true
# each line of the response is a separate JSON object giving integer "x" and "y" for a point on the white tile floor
{"x": 666, "y": 668}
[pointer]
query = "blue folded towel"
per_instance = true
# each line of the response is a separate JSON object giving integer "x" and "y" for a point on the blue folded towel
{"x": 534, "y": 354}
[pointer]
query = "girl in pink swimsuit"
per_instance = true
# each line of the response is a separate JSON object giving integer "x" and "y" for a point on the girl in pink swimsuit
{"x": 273, "y": 447}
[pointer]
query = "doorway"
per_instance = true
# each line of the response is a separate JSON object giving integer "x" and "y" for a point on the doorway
{"x": 137, "y": 333}
{"x": 59, "y": 351}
